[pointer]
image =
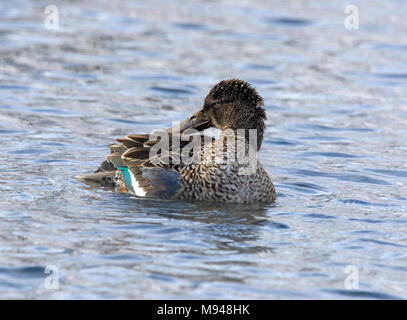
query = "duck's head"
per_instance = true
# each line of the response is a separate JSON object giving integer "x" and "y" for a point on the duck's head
{"x": 231, "y": 104}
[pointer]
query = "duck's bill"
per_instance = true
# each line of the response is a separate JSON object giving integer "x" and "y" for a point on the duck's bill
{"x": 197, "y": 122}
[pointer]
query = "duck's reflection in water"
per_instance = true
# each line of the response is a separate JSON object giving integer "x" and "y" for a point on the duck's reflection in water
{"x": 228, "y": 228}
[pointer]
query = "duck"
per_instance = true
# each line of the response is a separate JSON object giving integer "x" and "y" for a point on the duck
{"x": 181, "y": 163}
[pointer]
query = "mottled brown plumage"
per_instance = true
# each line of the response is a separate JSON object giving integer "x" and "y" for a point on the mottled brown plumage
{"x": 217, "y": 172}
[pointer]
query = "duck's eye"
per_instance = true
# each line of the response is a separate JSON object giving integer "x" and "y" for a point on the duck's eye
{"x": 216, "y": 104}
{"x": 210, "y": 105}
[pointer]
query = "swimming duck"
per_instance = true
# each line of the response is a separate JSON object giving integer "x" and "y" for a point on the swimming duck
{"x": 176, "y": 164}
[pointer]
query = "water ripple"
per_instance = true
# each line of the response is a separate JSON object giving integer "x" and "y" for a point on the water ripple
{"x": 334, "y": 147}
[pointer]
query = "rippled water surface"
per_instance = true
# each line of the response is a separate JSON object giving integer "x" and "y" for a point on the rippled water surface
{"x": 336, "y": 148}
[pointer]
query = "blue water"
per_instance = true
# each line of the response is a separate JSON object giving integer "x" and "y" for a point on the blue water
{"x": 335, "y": 147}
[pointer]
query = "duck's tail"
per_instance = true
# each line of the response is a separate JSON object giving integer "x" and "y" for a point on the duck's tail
{"x": 114, "y": 170}
{"x": 105, "y": 175}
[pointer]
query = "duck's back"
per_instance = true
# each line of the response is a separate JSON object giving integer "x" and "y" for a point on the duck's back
{"x": 216, "y": 173}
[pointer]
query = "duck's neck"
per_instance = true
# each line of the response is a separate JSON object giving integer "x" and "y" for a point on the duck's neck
{"x": 251, "y": 138}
